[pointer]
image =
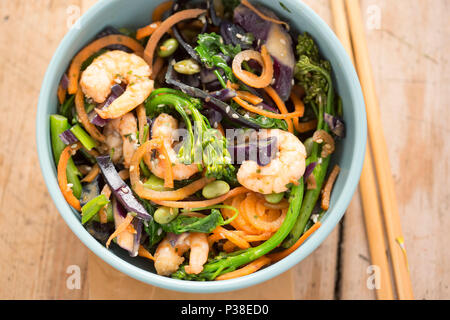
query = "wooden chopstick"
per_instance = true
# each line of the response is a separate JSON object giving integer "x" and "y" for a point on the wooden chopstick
{"x": 368, "y": 188}
{"x": 380, "y": 154}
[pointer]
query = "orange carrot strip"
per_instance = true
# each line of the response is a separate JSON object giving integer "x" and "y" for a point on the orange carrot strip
{"x": 92, "y": 174}
{"x": 249, "y": 78}
{"x": 249, "y": 97}
{"x": 124, "y": 174}
{"x": 257, "y": 237}
{"x": 248, "y": 269}
{"x": 102, "y": 213}
{"x": 204, "y": 203}
{"x": 61, "y": 94}
{"x": 301, "y": 127}
{"x": 142, "y": 121}
{"x": 84, "y": 119}
{"x": 93, "y": 47}
{"x": 147, "y": 30}
{"x": 142, "y": 252}
{"x": 164, "y": 27}
{"x": 298, "y": 103}
{"x": 62, "y": 175}
{"x": 149, "y": 194}
{"x": 326, "y": 191}
{"x": 157, "y": 67}
{"x": 229, "y": 246}
{"x": 254, "y": 211}
{"x": 121, "y": 228}
{"x": 160, "y": 9}
{"x": 239, "y": 223}
{"x": 265, "y": 113}
{"x": 262, "y": 15}
{"x": 281, "y": 106}
{"x": 168, "y": 172}
{"x": 234, "y": 238}
{"x": 283, "y": 254}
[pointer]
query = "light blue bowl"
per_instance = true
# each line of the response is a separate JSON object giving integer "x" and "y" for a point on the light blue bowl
{"x": 350, "y": 154}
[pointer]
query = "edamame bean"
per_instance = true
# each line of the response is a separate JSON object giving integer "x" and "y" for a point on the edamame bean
{"x": 308, "y": 146}
{"x": 155, "y": 183}
{"x": 187, "y": 66}
{"x": 215, "y": 189}
{"x": 164, "y": 215}
{"x": 274, "y": 198}
{"x": 168, "y": 48}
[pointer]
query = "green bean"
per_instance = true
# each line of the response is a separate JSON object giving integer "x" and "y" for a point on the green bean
{"x": 90, "y": 209}
{"x": 274, "y": 198}
{"x": 85, "y": 139}
{"x": 59, "y": 124}
{"x": 187, "y": 66}
{"x": 168, "y": 48}
{"x": 164, "y": 215}
{"x": 215, "y": 189}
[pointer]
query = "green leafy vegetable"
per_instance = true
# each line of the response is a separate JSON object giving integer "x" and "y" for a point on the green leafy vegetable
{"x": 184, "y": 223}
{"x": 213, "y": 52}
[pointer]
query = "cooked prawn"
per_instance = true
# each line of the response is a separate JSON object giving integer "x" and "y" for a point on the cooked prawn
{"x": 168, "y": 256}
{"x": 287, "y": 167}
{"x": 112, "y": 67}
{"x": 121, "y": 138}
{"x": 163, "y": 128}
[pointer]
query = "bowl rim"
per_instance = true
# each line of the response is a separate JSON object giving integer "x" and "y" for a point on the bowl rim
{"x": 336, "y": 213}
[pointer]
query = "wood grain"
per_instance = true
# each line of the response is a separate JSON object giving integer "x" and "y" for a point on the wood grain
{"x": 409, "y": 57}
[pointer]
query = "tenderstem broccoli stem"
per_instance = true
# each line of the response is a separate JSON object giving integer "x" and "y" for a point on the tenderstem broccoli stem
{"x": 59, "y": 124}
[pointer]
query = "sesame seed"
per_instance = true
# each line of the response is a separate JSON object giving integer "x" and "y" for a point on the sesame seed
{"x": 70, "y": 185}
{"x": 227, "y": 109}
{"x": 239, "y": 36}
{"x": 161, "y": 156}
{"x": 235, "y": 116}
{"x": 273, "y": 81}
{"x": 153, "y": 25}
{"x": 283, "y": 41}
{"x": 319, "y": 161}
{"x": 293, "y": 82}
{"x": 131, "y": 168}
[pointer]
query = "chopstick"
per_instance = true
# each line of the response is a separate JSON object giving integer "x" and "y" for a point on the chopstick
{"x": 380, "y": 154}
{"x": 368, "y": 188}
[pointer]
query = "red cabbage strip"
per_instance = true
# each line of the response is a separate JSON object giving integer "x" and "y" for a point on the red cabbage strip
{"x": 121, "y": 190}
{"x": 68, "y": 137}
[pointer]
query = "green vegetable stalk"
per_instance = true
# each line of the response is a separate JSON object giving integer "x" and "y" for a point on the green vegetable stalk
{"x": 90, "y": 209}
{"x": 59, "y": 124}
{"x": 230, "y": 262}
{"x": 313, "y": 74}
{"x": 85, "y": 139}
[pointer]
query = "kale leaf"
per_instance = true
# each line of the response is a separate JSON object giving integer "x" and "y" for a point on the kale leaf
{"x": 195, "y": 224}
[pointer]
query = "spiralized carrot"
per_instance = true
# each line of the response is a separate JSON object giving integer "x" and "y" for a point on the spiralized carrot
{"x": 265, "y": 113}
{"x": 249, "y": 97}
{"x": 142, "y": 121}
{"x": 229, "y": 246}
{"x": 232, "y": 237}
{"x": 298, "y": 103}
{"x": 203, "y": 203}
{"x": 248, "y": 269}
{"x": 93, "y": 47}
{"x": 92, "y": 174}
{"x": 262, "y": 15}
{"x": 147, "y": 30}
{"x": 121, "y": 228}
{"x": 62, "y": 175}
{"x": 61, "y": 94}
{"x": 160, "y": 196}
{"x": 142, "y": 252}
{"x": 84, "y": 119}
{"x": 160, "y": 9}
{"x": 249, "y": 78}
{"x": 164, "y": 27}
{"x": 168, "y": 171}
{"x": 281, "y": 106}
{"x": 326, "y": 191}
{"x": 102, "y": 213}
{"x": 301, "y": 127}
{"x": 256, "y": 214}
{"x": 157, "y": 67}
{"x": 283, "y": 254}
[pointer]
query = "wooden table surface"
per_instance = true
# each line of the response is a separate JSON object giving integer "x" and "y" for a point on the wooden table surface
{"x": 409, "y": 45}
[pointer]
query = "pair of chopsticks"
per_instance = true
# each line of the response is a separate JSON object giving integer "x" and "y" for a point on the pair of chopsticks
{"x": 377, "y": 148}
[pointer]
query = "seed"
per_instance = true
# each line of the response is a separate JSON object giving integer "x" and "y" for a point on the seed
{"x": 274, "y": 198}
{"x": 187, "y": 66}
{"x": 155, "y": 183}
{"x": 215, "y": 189}
{"x": 168, "y": 48}
{"x": 164, "y": 215}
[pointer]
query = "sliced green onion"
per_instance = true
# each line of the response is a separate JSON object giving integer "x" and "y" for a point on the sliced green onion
{"x": 85, "y": 139}
{"x": 90, "y": 209}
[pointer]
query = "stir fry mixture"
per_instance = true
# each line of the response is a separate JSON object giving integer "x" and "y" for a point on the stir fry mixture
{"x": 201, "y": 141}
